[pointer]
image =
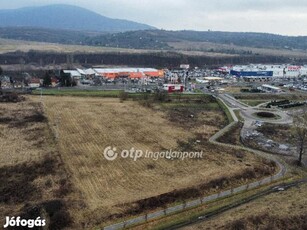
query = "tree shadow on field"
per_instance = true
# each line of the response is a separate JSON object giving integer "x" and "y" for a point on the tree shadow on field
{"x": 17, "y": 181}
{"x": 17, "y": 188}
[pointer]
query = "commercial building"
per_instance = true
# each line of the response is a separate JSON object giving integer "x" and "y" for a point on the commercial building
{"x": 266, "y": 72}
{"x": 270, "y": 89}
{"x": 173, "y": 88}
{"x": 75, "y": 74}
{"x": 110, "y": 74}
{"x": 133, "y": 73}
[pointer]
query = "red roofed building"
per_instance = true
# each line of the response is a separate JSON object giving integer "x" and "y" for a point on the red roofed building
{"x": 110, "y": 75}
{"x": 136, "y": 75}
{"x": 54, "y": 81}
{"x": 35, "y": 83}
{"x": 159, "y": 73}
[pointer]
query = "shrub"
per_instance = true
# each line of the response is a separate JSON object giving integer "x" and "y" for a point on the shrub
{"x": 123, "y": 96}
{"x": 161, "y": 96}
{"x": 266, "y": 114}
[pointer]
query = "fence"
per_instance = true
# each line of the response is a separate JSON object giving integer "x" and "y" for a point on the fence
{"x": 195, "y": 203}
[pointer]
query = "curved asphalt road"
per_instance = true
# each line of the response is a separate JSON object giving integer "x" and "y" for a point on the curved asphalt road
{"x": 248, "y": 111}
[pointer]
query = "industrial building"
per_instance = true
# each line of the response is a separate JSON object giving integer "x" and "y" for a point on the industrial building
{"x": 270, "y": 89}
{"x": 113, "y": 73}
{"x": 132, "y": 73}
{"x": 266, "y": 72}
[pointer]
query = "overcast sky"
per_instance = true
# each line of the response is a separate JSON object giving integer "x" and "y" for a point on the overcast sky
{"x": 288, "y": 17}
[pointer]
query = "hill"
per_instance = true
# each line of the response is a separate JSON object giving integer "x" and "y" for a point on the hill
{"x": 65, "y": 17}
{"x": 163, "y": 39}
{"x": 46, "y": 35}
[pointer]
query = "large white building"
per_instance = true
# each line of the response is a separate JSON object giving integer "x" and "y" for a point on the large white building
{"x": 279, "y": 71}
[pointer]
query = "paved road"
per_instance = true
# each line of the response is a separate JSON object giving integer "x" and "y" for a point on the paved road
{"x": 248, "y": 111}
{"x": 249, "y": 121}
{"x": 278, "y": 188}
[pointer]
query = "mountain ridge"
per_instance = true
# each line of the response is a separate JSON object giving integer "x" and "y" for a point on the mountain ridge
{"x": 67, "y": 24}
{"x": 68, "y": 17}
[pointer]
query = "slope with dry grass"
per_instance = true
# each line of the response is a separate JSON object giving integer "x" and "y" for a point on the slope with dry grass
{"x": 277, "y": 211}
{"x": 215, "y": 48}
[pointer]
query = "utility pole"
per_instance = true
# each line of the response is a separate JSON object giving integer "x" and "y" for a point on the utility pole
{"x": 41, "y": 94}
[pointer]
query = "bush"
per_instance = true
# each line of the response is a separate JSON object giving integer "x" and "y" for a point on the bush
{"x": 266, "y": 115}
{"x": 11, "y": 97}
{"x": 60, "y": 220}
{"x": 238, "y": 225}
{"x": 123, "y": 96}
{"x": 161, "y": 96}
{"x": 146, "y": 103}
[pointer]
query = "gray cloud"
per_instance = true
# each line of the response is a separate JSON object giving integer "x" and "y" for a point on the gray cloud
{"x": 238, "y": 5}
{"x": 275, "y": 16}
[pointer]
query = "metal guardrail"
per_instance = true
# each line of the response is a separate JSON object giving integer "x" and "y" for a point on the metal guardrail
{"x": 194, "y": 203}
{"x": 238, "y": 101}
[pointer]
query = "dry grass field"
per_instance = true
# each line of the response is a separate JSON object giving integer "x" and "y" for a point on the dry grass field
{"x": 8, "y": 45}
{"x": 29, "y": 138}
{"x": 86, "y": 126}
{"x": 270, "y": 212}
{"x": 33, "y": 179}
{"x": 187, "y": 48}
{"x": 206, "y": 46}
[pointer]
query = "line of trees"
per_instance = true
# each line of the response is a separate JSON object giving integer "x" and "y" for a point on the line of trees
{"x": 159, "y": 60}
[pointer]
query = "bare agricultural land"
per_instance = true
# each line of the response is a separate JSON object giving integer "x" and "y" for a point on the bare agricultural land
{"x": 188, "y": 48}
{"x": 33, "y": 179}
{"x": 16, "y": 122}
{"x": 215, "y": 49}
{"x": 86, "y": 126}
{"x": 8, "y": 45}
{"x": 52, "y": 156}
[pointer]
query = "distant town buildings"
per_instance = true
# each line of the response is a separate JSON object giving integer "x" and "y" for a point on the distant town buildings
{"x": 266, "y": 72}
{"x": 113, "y": 73}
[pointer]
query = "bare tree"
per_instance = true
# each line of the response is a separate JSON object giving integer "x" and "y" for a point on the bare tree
{"x": 300, "y": 133}
{"x": 1, "y": 72}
